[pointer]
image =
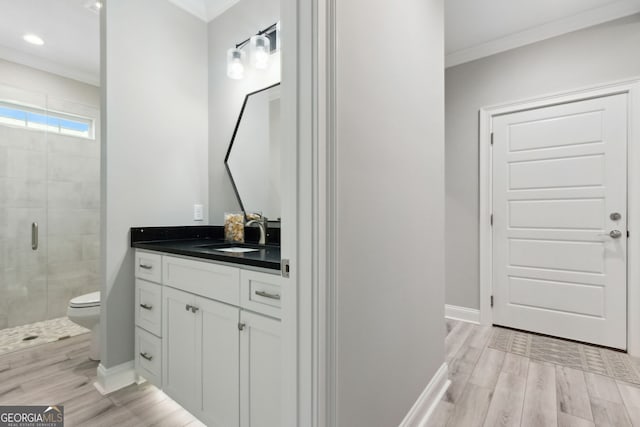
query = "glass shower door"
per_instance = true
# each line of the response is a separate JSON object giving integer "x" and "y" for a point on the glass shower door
{"x": 23, "y": 209}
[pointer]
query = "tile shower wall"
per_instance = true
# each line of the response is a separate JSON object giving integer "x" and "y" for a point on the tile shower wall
{"x": 54, "y": 180}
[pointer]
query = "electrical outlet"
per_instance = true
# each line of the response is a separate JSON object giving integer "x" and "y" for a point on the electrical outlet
{"x": 198, "y": 213}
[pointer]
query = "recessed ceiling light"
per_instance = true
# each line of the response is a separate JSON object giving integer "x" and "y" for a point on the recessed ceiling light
{"x": 94, "y": 5}
{"x": 33, "y": 39}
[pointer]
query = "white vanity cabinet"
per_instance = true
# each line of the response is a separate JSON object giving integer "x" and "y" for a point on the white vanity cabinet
{"x": 221, "y": 341}
{"x": 148, "y": 315}
{"x": 201, "y": 355}
{"x": 260, "y": 373}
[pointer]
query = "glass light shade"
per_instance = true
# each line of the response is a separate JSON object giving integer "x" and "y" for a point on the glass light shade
{"x": 259, "y": 51}
{"x": 235, "y": 63}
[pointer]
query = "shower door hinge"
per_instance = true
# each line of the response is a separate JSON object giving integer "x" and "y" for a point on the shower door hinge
{"x": 491, "y": 138}
{"x": 491, "y": 300}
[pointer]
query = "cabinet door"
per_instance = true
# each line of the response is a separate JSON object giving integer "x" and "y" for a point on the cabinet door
{"x": 219, "y": 359}
{"x": 179, "y": 331}
{"x": 260, "y": 387}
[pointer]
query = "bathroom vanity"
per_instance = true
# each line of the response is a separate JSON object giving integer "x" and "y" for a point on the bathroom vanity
{"x": 208, "y": 326}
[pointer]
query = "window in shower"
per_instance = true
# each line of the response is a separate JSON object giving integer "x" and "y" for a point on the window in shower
{"x": 14, "y": 114}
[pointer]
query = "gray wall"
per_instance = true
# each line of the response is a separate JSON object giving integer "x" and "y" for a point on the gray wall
{"x": 53, "y": 180}
{"x": 226, "y": 96}
{"x": 155, "y": 162}
{"x": 390, "y": 185}
{"x": 592, "y": 56}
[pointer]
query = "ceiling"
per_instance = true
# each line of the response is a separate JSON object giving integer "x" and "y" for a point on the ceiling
{"x": 71, "y": 33}
{"x": 205, "y": 9}
{"x": 474, "y": 29}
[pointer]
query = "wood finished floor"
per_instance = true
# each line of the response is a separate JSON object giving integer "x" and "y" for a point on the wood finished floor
{"x": 61, "y": 373}
{"x": 489, "y": 388}
{"x": 493, "y": 388}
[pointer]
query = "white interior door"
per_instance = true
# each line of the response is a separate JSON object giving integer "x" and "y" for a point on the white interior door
{"x": 559, "y": 248}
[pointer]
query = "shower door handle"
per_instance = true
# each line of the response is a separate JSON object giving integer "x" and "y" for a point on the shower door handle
{"x": 34, "y": 236}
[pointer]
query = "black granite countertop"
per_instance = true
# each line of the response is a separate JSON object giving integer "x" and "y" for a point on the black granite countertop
{"x": 197, "y": 242}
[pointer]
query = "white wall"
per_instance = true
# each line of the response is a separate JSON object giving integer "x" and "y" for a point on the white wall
{"x": 390, "y": 207}
{"x": 226, "y": 96}
{"x": 53, "y": 85}
{"x": 592, "y": 56}
{"x": 155, "y": 133}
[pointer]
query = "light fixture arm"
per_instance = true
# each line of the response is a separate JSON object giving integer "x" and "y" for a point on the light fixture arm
{"x": 259, "y": 33}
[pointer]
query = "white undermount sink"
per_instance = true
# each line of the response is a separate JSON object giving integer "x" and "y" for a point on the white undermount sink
{"x": 237, "y": 250}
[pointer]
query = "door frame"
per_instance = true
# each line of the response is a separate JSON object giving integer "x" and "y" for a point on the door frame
{"x": 632, "y": 89}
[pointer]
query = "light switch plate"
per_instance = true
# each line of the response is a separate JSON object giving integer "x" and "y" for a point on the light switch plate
{"x": 198, "y": 213}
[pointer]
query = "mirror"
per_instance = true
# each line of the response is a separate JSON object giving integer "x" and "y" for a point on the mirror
{"x": 253, "y": 156}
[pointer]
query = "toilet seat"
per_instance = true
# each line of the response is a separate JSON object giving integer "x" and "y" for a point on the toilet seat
{"x": 85, "y": 301}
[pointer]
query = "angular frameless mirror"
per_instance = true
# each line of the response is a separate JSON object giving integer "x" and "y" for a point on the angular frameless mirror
{"x": 253, "y": 157}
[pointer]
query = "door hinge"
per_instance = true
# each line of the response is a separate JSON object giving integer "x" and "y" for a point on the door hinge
{"x": 491, "y": 300}
{"x": 491, "y": 138}
{"x": 491, "y": 219}
{"x": 241, "y": 326}
{"x": 627, "y": 234}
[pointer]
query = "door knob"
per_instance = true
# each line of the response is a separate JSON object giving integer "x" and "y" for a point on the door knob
{"x": 615, "y": 234}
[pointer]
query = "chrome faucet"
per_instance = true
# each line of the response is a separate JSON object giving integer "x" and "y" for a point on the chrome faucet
{"x": 262, "y": 224}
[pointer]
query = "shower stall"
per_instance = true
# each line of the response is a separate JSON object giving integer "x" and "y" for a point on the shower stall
{"x": 49, "y": 207}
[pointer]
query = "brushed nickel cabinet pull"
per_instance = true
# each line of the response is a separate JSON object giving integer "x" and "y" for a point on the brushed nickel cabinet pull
{"x": 146, "y": 306}
{"x": 34, "y": 236}
{"x": 146, "y": 266}
{"x": 268, "y": 295}
{"x": 146, "y": 356}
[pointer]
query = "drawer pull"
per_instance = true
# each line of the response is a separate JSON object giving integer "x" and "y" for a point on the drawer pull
{"x": 146, "y": 266}
{"x": 146, "y": 306}
{"x": 267, "y": 295}
{"x": 146, "y": 356}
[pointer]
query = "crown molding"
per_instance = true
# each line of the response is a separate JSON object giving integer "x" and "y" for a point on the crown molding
{"x": 582, "y": 20}
{"x": 49, "y": 66}
{"x": 214, "y": 13}
{"x": 194, "y": 7}
{"x": 199, "y": 9}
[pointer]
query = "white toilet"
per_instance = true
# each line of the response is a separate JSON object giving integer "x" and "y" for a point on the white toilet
{"x": 85, "y": 311}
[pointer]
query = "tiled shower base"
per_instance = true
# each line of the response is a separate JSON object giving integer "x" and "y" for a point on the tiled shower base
{"x": 19, "y": 337}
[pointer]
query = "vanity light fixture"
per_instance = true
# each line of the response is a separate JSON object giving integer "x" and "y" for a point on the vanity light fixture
{"x": 235, "y": 63}
{"x": 260, "y": 47}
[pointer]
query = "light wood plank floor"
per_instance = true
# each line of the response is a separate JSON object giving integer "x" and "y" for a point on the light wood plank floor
{"x": 61, "y": 373}
{"x": 489, "y": 388}
{"x": 493, "y": 388}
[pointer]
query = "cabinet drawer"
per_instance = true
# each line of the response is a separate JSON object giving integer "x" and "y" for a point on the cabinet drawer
{"x": 148, "y": 266}
{"x": 209, "y": 280}
{"x": 148, "y": 359}
{"x": 260, "y": 292}
{"x": 149, "y": 306}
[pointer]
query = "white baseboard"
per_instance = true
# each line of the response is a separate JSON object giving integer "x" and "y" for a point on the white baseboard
{"x": 428, "y": 400}
{"x": 112, "y": 379}
{"x": 470, "y": 315}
